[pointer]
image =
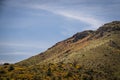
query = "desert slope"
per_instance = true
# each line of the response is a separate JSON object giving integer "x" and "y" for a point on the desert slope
{"x": 84, "y": 42}
{"x": 87, "y": 55}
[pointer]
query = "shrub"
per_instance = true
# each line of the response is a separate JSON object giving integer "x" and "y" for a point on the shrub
{"x": 49, "y": 72}
{"x": 2, "y": 71}
{"x": 11, "y": 67}
{"x": 6, "y": 64}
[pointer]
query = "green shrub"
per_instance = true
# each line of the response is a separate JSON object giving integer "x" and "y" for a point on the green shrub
{"x": 10, "y": 68}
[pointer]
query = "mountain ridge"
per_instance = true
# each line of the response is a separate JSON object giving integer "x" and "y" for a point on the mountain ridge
{"x": 83, "y": 37}
{"x": 80, "y": 37}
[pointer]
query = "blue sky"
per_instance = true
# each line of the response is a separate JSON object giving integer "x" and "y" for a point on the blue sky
{"x": 28, "y": 27}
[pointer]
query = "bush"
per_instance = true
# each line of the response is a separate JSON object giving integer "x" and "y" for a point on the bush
{"x": 2, "y": 71}
{"x": 6, "y": 64}
{"x": 11, "y": 67}
{"x": 49, "y": 72}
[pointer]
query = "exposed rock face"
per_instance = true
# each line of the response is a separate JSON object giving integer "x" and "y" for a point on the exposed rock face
{"x": 81, "y": 35}
{"x": 113, "y": 44}
{"x": 113, "y": 26}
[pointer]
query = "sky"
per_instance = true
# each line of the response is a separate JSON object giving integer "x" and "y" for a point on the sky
{"x": 29, "y": 27}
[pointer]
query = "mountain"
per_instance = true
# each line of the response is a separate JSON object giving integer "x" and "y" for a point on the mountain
{"x": 87, "y": 55}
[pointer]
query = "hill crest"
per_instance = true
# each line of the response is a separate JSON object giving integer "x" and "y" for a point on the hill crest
{"x": 74, "y": 43}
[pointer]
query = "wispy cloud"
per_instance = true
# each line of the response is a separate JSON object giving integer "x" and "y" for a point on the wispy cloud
{"x": 5, "y": 61}
{"x": 81, "y": 17}
{"x": 23, "y": 48}
{"x": 80, "y": 10}
{"x": 59, "y": 8}
{"x": 40, "y": 45}
{"x": 15, "y": 51}
{"x": 72, "y": 14}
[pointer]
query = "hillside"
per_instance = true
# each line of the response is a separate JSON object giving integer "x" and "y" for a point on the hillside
{"x": 87, "y": 55}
